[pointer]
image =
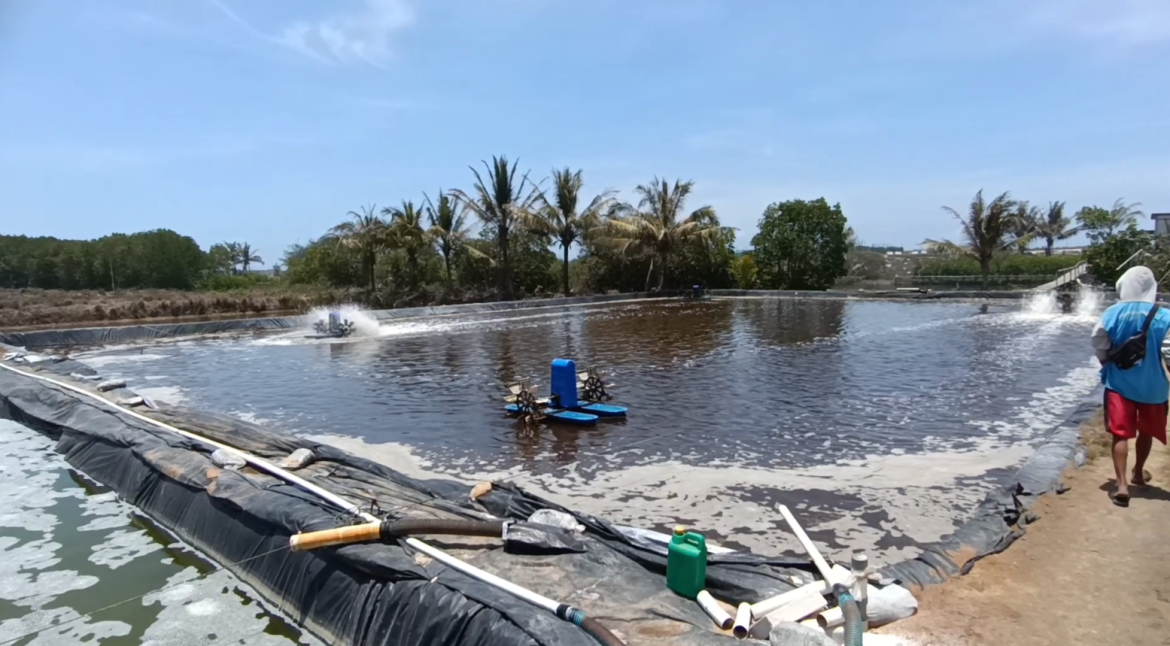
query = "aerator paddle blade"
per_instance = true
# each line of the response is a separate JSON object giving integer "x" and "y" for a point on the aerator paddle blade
{"x": 515, "y": 389}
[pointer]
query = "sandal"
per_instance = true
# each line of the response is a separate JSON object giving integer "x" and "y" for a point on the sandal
{"x": 1120, "y": 499}
{"x": 1146, "y": 476}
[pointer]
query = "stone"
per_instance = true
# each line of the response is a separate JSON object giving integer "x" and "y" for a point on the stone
{"x": 793, "y": 634}
{"x": 889, "y": 604}
{"x": 111, "y": 384}
{"x": 298, "y": 459}
{"x": 227, "y": 460}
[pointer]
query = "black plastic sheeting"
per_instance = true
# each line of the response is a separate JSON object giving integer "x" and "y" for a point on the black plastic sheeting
{"x": 375, "y": 593}
{"x": 1004, "y": 515}
{"x": 98, "y": 336}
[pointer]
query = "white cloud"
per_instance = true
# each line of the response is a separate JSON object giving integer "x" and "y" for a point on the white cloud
{"x": 362, "y": 36}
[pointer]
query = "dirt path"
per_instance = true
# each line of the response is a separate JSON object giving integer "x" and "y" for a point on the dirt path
{"x": 1087, "y": 573}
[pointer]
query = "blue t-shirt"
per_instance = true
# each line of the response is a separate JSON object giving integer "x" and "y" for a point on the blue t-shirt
{"x": 1146, "y": 382}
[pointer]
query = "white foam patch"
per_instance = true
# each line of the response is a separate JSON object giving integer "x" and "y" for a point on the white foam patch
{"x": 217, "y": 608}
{"x": 60, "y": 627}
{"x": 100, "y": 361}
{"x": 109, "y": 512}
{"x": 122, "y": 547}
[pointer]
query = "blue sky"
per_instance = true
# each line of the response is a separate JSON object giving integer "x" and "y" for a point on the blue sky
{"x": 267, "y": 120}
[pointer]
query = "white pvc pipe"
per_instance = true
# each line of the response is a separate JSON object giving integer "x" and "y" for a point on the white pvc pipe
{"x": 813, "y": 552}
{"x": 814, "y": 590}
{"x": 831, "y": 618}
{"x": 743, "y": 621}
{"x": 338, "y": 501}
{"x": 714, "y": 610}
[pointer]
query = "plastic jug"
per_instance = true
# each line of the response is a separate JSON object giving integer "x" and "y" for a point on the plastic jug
{"x": 686, "y": 563}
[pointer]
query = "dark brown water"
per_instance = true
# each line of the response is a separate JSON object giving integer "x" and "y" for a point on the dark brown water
{"x": 881, "y": 423}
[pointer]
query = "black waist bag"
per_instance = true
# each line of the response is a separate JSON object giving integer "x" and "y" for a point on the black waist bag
{"x": 1130, "y": 353}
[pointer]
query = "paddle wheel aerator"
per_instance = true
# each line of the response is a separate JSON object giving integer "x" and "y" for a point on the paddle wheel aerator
{"x": 575, "y": 398}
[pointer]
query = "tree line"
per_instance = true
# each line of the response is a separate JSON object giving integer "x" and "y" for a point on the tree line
{"x": 1003, "y": 225}
{"x": 157, "y": 259}
{"x": 509, "y": 235}
{"x": 416, "y": 251}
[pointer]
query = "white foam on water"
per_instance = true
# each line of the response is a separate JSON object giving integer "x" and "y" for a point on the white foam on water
{"x": 105, "y": 360}
{"x": 30, "y": 474}
{"x": 122, "y": 547}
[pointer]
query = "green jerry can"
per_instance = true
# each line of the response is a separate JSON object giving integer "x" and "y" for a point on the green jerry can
{"x": 686, "y": 563}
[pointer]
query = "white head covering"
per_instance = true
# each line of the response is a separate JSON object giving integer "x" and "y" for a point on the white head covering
{"x": 1137, "y": 284}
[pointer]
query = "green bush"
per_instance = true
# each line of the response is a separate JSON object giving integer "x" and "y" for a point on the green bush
{"x": 228, "y": 283}
{"x": 1007, "y": 265}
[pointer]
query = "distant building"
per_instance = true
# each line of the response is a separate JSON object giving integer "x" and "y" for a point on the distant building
{"x": 1161, "y": 223}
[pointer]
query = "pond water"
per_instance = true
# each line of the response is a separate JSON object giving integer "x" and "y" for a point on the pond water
{"x": 77, "y": 565}
{"x": 882, "y": 424}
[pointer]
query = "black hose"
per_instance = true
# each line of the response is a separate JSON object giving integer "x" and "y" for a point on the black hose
{"x": 441, "y": 527}
{"x": 852, "y": 614}
{"x": 600, "y": 632}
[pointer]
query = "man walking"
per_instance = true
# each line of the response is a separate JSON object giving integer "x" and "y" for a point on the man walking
{"x": 1131, "y": 343}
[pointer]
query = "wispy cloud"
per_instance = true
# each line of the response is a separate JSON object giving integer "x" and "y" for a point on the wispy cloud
{"x": 362, "y": 36}
{"x": 1115, "y": 24}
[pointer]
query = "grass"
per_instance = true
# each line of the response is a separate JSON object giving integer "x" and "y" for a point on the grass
{"x": 1098, "y": 443}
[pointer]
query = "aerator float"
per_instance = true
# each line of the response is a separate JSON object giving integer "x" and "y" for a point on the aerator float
{"x": 575, "y": 398}
{"x": 332, "y": 327}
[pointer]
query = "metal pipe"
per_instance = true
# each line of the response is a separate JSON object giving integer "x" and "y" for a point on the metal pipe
{"x": 563, "y": 611}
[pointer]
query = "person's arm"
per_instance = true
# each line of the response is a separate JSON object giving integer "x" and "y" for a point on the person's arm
{"x": 1165, "y": 345}
{"x": 1101, "y": 343}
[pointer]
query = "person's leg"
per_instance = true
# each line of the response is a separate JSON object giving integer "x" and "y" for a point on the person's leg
{"x": 1120, "y": 457}
{"x": 1141, "y": 453}
{"x": 1151, "y": 424}
{"x": 1121, "y": 422}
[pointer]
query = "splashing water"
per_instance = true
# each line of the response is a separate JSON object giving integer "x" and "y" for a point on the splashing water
{"x": 1042, "y": 303}
{"x": 363, "y": 323}
{"x": 1088, "y": 304}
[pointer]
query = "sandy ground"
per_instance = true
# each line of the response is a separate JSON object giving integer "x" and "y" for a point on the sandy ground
{"x": 1087, "y": 573}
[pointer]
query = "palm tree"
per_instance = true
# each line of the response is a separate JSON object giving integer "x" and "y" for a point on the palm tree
{"x": 1054, "y": 226}
{"x": 364, "y": 233}
{"x": 448, "y": 220}
{"x": 985, "y": 228}
{"x": 560, "y": 218}
{"x": 406, "y": 232}
{"x": 248, "y": 256}
{"x": 653, "y": 227}
{"x": 1104, "y": 223}
{"x": 233, "y": 251}
{"x": 1024, "y": 223}
{"x": 501, "y": 202}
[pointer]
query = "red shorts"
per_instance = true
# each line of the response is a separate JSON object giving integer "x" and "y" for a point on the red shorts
{"x": 1127, "y": 419}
